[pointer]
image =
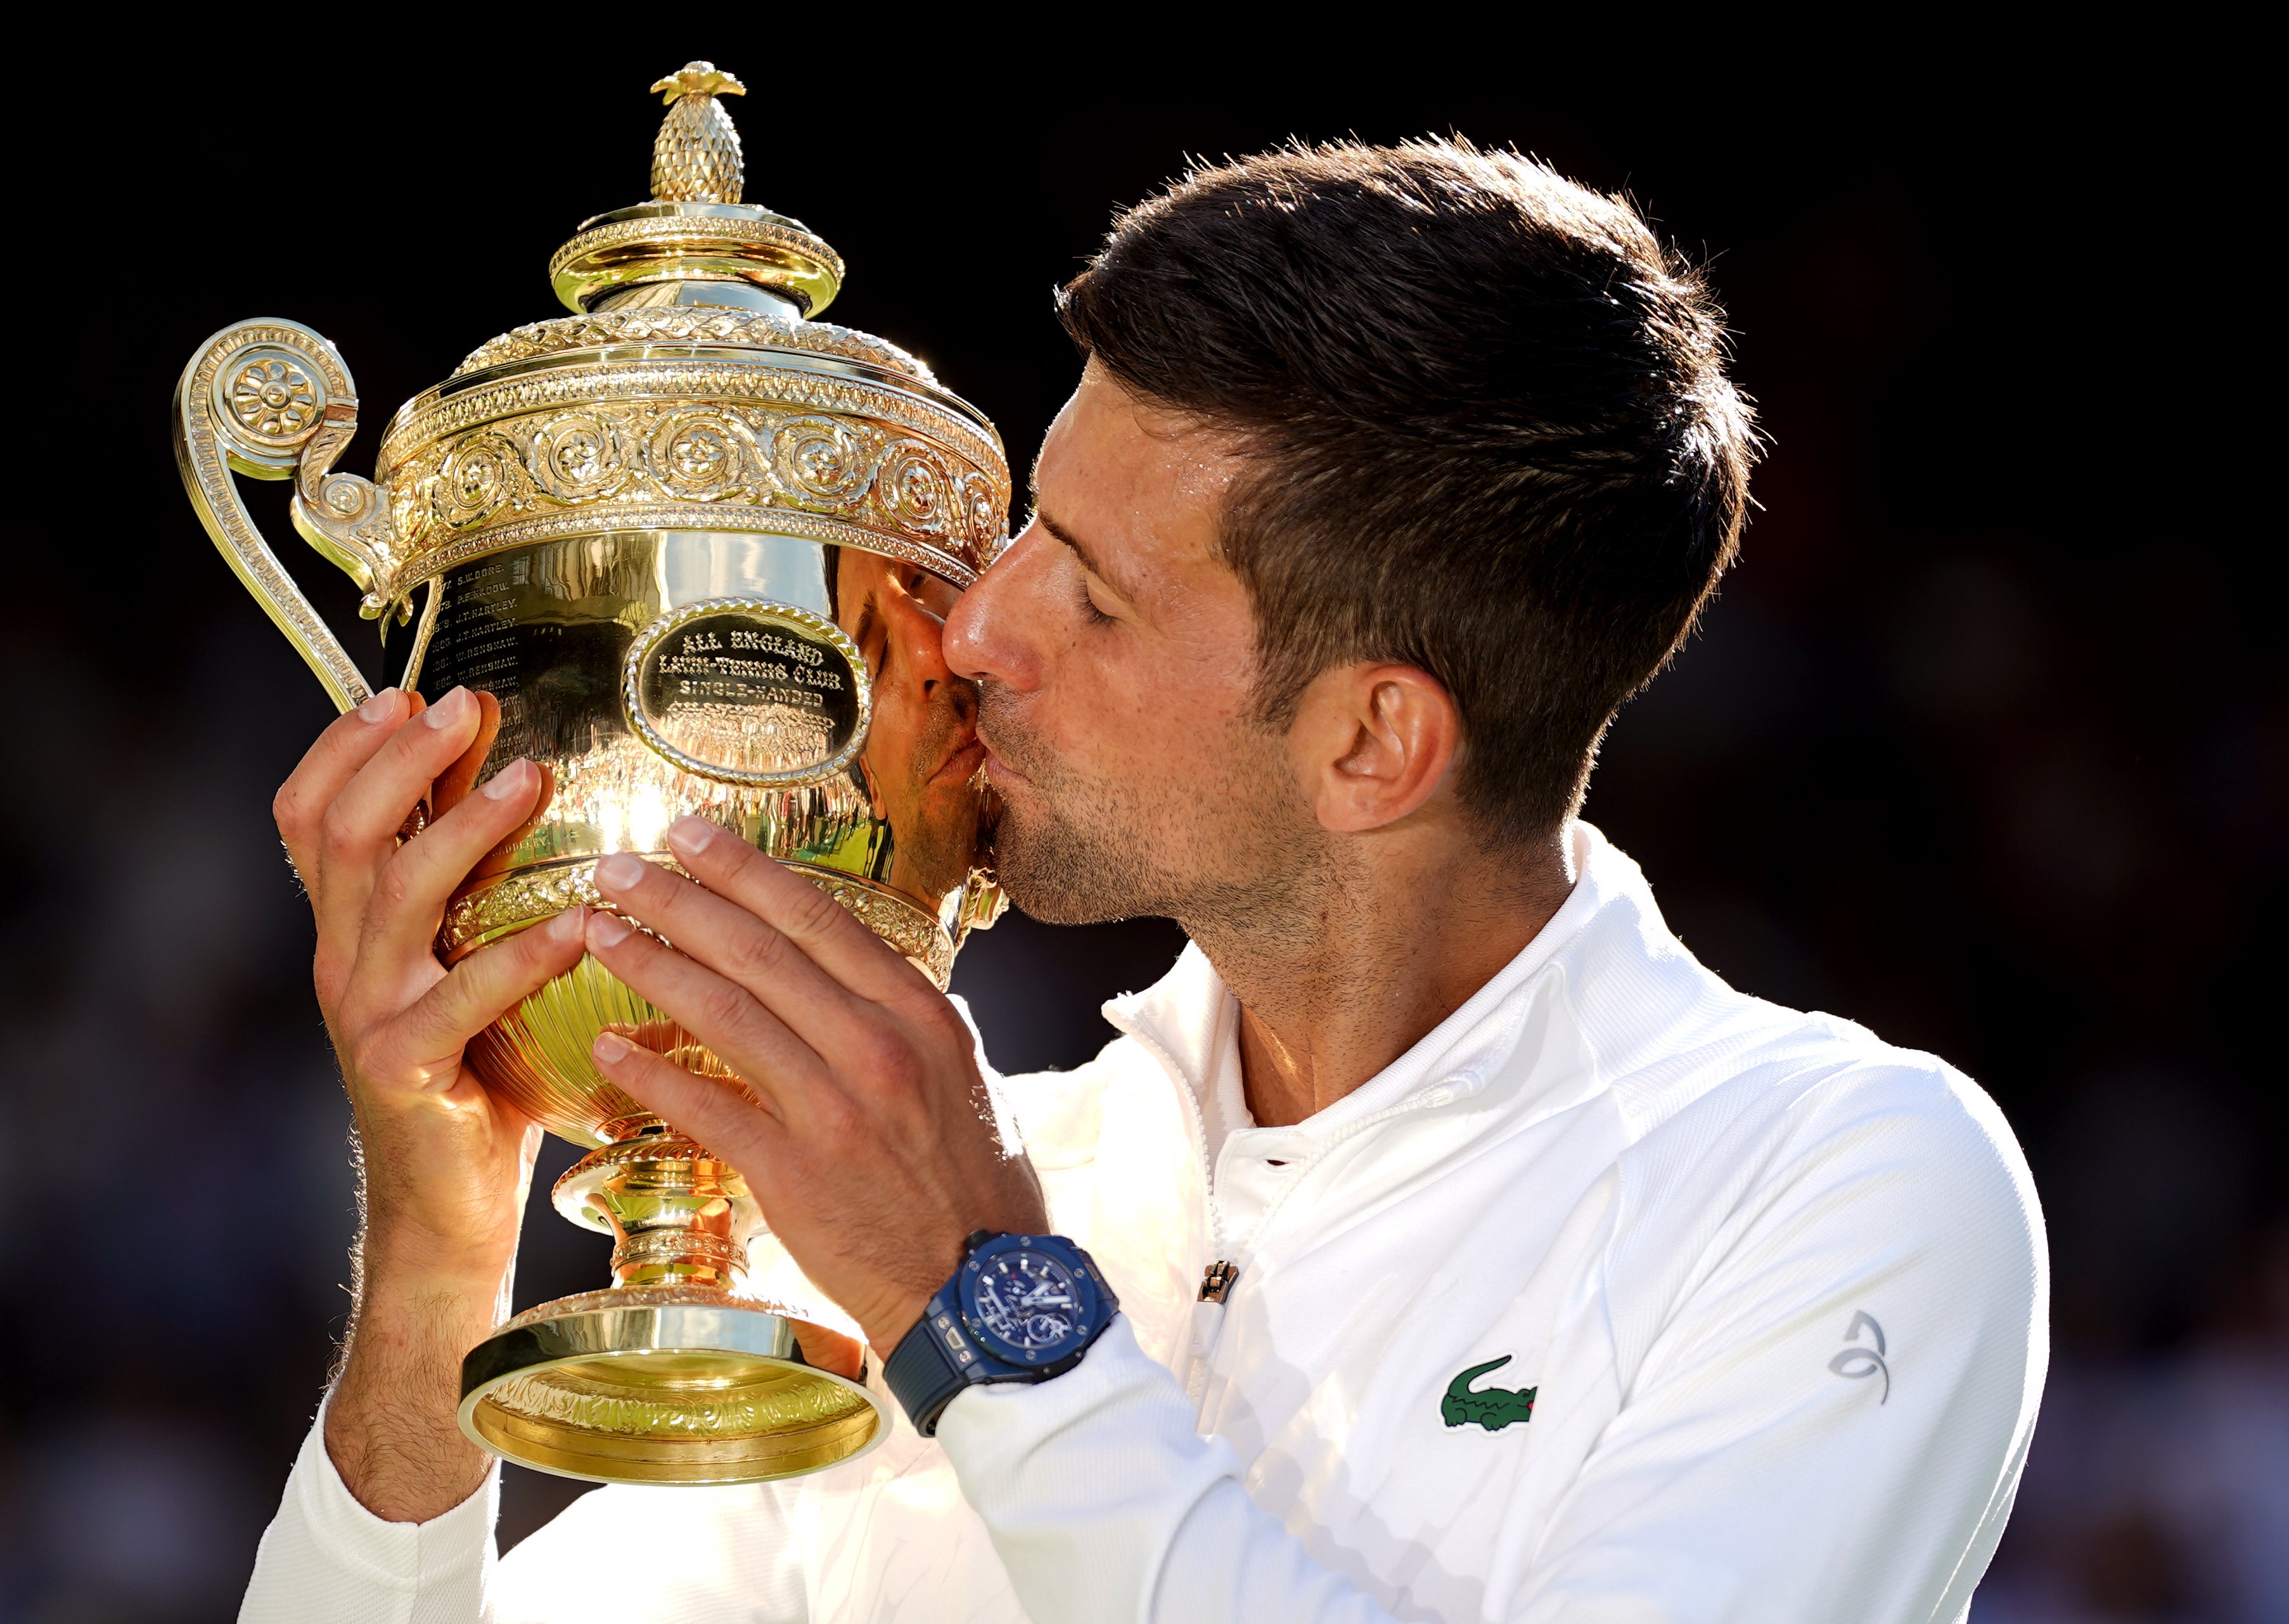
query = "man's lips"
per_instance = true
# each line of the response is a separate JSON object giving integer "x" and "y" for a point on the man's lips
{"x": 998, "y": 766}
{"x": 998, "y": 770}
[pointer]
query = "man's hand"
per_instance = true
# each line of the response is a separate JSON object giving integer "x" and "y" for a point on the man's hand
{"x": 445, "y": 1164}
{"x": 873, "y": 1151}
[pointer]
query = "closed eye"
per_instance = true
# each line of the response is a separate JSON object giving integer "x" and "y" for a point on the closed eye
{"x": 1090, "y": 609}
{"x": 1090, "y": 612}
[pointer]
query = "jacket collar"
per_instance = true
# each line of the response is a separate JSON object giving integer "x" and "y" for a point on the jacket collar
{"x": 1181, "y": 1017}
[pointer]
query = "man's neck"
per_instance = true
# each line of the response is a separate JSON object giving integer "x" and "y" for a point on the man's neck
{"x": 1369, "y": 961}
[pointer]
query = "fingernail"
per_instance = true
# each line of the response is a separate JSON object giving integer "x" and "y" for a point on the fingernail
{"x": 380, "y": 708}
{"x": 619, "y": 870}
{"x": 605, "y": 931}
{"x": 449, "y": 710}
{"x": 514, "y": 779}
{"x": 569, "y": 925}
{"x": 610, "y": 1047}
{"x": 692, "y": 834}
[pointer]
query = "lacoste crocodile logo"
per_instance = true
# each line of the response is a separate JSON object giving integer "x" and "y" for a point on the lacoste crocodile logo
{"x": 1492, "y": 1407}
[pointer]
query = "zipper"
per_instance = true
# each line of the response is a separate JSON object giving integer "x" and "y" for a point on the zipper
{"x": 1198, "y": 1127}
{"x": 1207, "y": 1309}
{"x": 1207, "y": 1320}
{"x": 1218, "y": 1280}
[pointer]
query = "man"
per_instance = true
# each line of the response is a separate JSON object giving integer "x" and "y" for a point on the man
{"x": 1478, "y": 1254}
{"x": 921, "y": 757}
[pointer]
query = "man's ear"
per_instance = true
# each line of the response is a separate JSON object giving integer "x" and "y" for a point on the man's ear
{"x": 1372, "y": 744}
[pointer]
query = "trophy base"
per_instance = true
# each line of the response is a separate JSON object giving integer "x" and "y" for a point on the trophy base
{"x": 661, "y": 1385}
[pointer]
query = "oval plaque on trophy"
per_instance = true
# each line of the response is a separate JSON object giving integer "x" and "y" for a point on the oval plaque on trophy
{"x": 744, "y": 690}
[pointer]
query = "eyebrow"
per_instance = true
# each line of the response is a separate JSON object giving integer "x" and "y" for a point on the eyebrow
{"x": 1080, "y": 551}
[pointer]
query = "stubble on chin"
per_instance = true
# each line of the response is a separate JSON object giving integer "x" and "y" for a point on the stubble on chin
{"x": 1060, "y": 852}
{"x": 1078, "y": 848}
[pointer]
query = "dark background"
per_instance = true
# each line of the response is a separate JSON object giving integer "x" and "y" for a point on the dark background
{"x": 1983, "y": 745}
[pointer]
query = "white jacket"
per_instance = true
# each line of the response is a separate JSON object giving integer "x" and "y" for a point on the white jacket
{"x": 1778, "y": 1289}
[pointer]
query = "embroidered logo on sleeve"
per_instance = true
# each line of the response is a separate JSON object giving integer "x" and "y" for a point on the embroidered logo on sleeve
{"x": 1492, "y": 1407}
{"x": 1858, "y": 1364}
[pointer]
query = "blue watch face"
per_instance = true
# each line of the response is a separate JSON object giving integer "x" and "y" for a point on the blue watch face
{"x": 1028, "y": 1300}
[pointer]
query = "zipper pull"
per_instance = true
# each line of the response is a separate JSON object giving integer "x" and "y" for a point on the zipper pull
{"x": 1208, "y": 1313}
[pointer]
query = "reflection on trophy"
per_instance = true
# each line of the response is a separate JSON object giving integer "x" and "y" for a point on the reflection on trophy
{"x": 676, "y": 534}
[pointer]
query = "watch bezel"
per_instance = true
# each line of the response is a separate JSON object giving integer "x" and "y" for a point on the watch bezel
{"x": 1087, "y": 1289}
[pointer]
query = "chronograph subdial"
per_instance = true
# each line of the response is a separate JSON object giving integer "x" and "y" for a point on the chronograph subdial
{"x": 1027, "y": 1300}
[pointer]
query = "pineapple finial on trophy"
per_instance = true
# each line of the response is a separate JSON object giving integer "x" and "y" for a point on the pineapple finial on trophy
{"x": 697, "y": 242}
{"x": 696, "y": 158}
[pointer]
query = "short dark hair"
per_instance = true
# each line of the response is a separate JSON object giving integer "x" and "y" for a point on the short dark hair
{"x": 1493, "y": 434}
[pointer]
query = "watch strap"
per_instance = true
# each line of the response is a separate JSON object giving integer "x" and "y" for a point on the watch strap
{"x": 932, "y": 1363}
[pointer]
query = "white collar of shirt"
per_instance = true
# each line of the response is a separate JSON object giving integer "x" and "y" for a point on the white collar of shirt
{"x": 1193, "y": 1021}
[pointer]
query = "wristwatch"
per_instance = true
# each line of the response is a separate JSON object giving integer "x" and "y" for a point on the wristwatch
{"x": 1021, "y": 1308}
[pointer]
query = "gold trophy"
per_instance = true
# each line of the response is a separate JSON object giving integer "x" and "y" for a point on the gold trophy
{"x": 658, "y": 532}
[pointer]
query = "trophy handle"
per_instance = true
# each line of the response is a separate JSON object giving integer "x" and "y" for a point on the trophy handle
{"x": 273, "y": 401}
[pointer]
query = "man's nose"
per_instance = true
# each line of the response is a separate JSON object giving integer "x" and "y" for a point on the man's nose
{"x": 987, "y": 636}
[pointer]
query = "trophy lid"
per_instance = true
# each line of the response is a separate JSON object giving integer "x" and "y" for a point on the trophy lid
{"x": 696, "y": 243}
{"x": 692, "y": 317}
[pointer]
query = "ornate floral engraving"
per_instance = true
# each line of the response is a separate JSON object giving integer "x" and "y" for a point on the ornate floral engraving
{"x": 678, "y": 1245}
{"x": 917, "y": 490}
{"x": 522, "y": 899}
{"x": 695, "y": 231}
{"x": 577, "y": 458}
{"x": 701, "y": 454}
{"x": 509, "y": 480}
{"x": 985, "y": 510}
{"x": 805, "y": 1401}
{"x": 643, "y": 1297}
{"x": 695, "y": 516}
{"x": 897, "y": 921}
{"x": 821, "y": 462}
{"x": 601, "y": 1164}
{"x": 477, "y": 476}
{"x": 429, "y": 418}
{"x": 686, "y": 325}
{"x": 273, "y": 399}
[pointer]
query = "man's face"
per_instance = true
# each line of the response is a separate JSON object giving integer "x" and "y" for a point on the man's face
{"x": 1112, "y": 650}
{"x": 922, "y": 759}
